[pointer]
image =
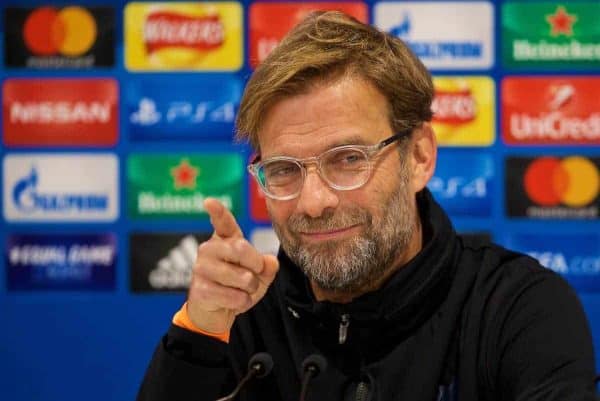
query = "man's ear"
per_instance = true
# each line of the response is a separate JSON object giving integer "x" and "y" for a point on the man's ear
{"x": 423, "y": 155}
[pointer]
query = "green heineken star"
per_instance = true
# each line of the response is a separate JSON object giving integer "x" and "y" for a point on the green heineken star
{"x": 175, "y": 186}
{"x": 551, "y": 35}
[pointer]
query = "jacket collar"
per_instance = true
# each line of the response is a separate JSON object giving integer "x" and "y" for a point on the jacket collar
{"x": 411, "y": 295}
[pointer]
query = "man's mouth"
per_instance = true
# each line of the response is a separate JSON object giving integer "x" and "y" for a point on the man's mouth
{"x": 329, "y": 234}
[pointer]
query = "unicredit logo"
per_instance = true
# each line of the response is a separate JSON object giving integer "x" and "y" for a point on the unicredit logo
{"x": 169, "y": 29}
{"x": 573, "y": 181}
{"x": 554, "y": 124}
{"x": 70, "y": 31}
{"x": 557, "y": 110}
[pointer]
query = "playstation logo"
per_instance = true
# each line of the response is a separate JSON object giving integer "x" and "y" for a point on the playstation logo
{"x": 146, "y": 114}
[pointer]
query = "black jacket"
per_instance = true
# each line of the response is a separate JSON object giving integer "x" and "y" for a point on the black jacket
{"x": 463, "y": 321}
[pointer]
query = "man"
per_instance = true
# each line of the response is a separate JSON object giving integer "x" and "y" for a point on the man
{"x": 371, "y": 275}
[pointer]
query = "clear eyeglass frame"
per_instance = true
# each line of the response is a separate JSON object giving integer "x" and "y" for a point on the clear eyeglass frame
{"x": 257, "y": 167}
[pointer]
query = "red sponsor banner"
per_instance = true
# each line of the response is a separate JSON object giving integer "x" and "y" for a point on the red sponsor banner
{"x": 551, "y": 111}
{"x": 60, "y": 112}
{"x": 166, "y": 29}
{"x": 454, "y": 107}
{"x": 269, "y": 22}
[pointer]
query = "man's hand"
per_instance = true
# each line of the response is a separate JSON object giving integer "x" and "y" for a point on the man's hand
{"x": 229, "y": 277}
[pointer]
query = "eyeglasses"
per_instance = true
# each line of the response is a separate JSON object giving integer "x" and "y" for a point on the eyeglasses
{"x": 343, "y": 168}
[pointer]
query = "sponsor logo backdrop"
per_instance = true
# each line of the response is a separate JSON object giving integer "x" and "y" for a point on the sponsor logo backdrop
{"x": 118, "y": 120}
{"x": 74, "y": 36}
{"x": 162, "y": 262}
{"x": 61, "y": 262}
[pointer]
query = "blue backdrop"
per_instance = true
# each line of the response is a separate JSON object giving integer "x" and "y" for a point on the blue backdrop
{"x": 93, "y": 343}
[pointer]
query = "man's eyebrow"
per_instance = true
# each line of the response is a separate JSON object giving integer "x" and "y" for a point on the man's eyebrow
{"x": 352, "y": 140}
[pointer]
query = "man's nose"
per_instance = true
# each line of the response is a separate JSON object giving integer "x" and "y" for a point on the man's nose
{"x": 316, "y": 195}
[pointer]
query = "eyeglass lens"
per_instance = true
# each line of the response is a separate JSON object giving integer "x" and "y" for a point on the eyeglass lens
{"x": 342, "y": 168}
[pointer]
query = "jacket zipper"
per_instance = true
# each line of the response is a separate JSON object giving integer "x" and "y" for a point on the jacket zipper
{"x": 362, "y": 391}
{"x": 343, "y": 330}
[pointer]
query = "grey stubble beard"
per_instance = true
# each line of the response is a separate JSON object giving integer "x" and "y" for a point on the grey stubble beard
{"x": 352, "y": 264}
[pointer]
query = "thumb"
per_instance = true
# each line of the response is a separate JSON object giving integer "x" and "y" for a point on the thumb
{"x": 266, "y": 276}
{"x": 270, "y": 268}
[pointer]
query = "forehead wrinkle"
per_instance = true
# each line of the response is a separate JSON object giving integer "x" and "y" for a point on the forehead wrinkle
{"x": 324, "y": 145}
{"x": 347, "y": 112}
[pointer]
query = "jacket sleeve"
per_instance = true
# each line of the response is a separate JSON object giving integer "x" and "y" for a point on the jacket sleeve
{"x": 187, "y": 366}
{"x": 544, "y": 351}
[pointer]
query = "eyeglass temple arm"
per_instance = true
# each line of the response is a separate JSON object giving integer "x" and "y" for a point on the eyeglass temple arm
{"x": 393, "y": 138}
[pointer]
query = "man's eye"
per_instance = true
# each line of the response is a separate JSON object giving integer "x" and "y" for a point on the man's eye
{"x": 347, "y": 159}
{"x": 354, "y": 158}
{"x": 281, "y": 171}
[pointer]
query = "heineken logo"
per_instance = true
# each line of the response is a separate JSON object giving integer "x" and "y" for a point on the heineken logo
{"x": 561, "y": 22}
{"x": 550, "y": 34}
{"x": 172, "y": 185}
{"x": 184, "y": 175}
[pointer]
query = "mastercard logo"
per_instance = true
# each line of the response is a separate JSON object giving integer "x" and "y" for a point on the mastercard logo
{"x": 573, "y": 181}
{"x": 69, "y": 32}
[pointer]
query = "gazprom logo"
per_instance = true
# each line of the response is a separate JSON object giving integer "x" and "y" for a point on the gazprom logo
{"x": 68, "y": 187}
{"x": 437, "y": 50}
{"x": 403, "y": 29}
{"x": 462, "y": 38}
{"x": 27, "y": 199}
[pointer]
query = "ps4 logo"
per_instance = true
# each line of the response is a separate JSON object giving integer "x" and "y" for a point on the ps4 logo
{"x": 148, "y": 113}
{"x": 458, "y": 186}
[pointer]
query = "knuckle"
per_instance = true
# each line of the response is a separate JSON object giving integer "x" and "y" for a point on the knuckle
{"x": 199, "y": 291}
{"x": 241, "y": 300}
{"x": 202, "y": 287}
{"x": 203, "y": 245}
{"x": 202, "y": 267}
{"x": 224, "y": 245}
{"x": 247, "y": 280}
{"x": 209, "y": 245}
{"x": 241, "y": 245}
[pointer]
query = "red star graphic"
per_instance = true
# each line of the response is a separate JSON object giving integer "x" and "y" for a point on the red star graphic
{"x": 184, "y": 175}
{"x": 561, "y": 22}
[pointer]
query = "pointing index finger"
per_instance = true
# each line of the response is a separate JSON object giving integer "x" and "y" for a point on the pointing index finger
{"x": 221, "y": 219}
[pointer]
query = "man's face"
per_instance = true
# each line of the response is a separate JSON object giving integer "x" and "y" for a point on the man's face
{"x": 343, "y": 240}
